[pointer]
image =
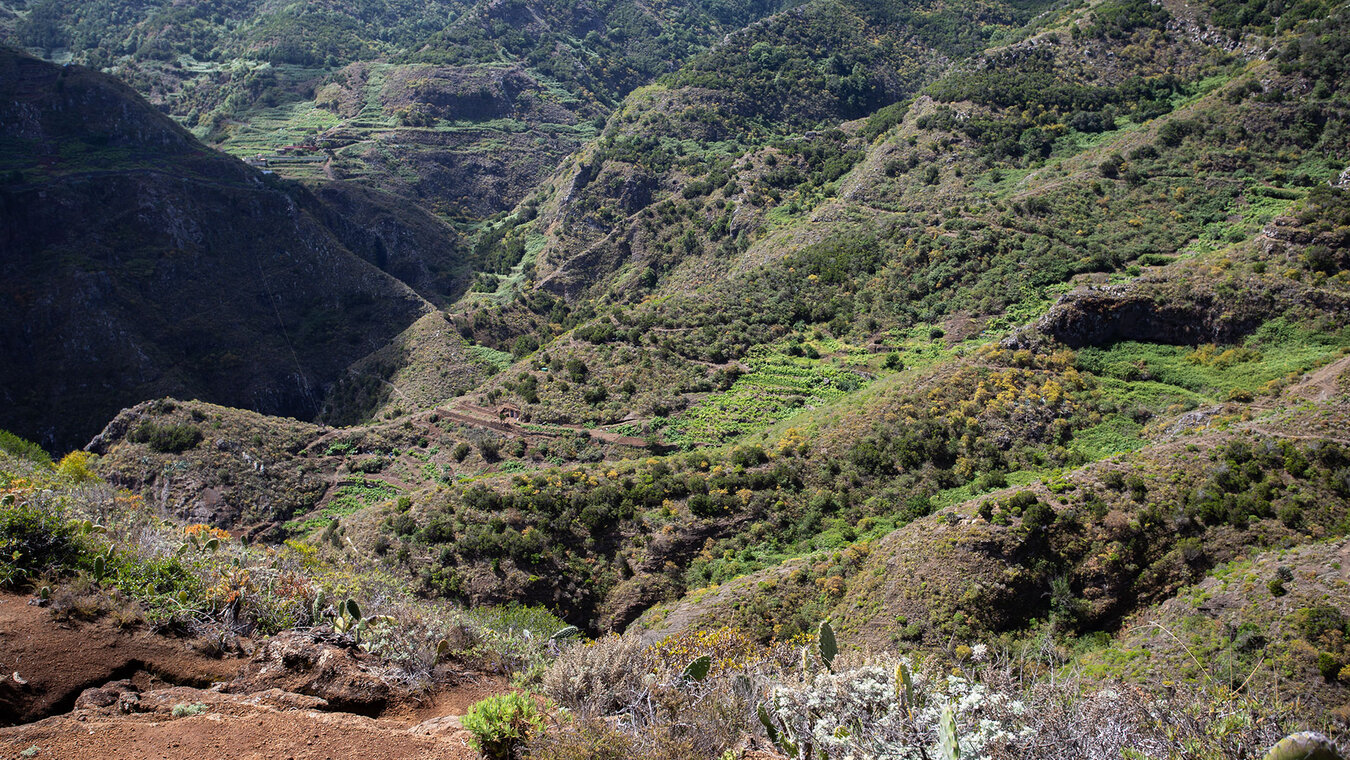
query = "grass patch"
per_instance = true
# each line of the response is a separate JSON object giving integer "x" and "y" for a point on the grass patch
{"x": 777, "y": 386}
{"x": 491, "y": 357}
{"x": 1135, "y": 371}
{"x": 350, "y": 498}
{"x": 1113, "y": 436}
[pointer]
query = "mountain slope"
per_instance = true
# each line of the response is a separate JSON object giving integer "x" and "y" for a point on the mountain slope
{"x": 138, "y": 263}
{"x": 463, "y": 105}
{"x": 1017, "y": 333}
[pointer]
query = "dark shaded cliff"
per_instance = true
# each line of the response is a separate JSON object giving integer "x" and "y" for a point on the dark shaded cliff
{"x": 137, "y": 263}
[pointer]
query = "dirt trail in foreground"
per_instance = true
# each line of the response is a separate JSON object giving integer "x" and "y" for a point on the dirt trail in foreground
{"x": 59, "y": 660}
{"x": 231, "y": 730}
{"x": 114, "y": 694}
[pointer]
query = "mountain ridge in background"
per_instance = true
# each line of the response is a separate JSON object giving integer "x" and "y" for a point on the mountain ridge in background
{"x": 141, "y": 263}
{"x": 968, "y": 327}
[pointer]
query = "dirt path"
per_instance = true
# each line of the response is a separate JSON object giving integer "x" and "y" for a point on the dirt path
{"x": 1322, "y": 384}
{"x": 232, "y": 729}
{"x": 60, "y": 660}
{"x": 470, "y": 414}
{"x": 112, "y": 694}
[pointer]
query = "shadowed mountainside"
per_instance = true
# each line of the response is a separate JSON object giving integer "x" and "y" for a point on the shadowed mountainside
{"x": 138, "y": 263}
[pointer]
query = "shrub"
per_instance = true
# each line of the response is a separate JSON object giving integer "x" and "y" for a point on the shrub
{"x": 600, "y": 677}
{"x": 167, "y": 439}
{"x": 490, "y": 449}
{"x": 1020, "y": 501}
{"x": 1328, "y": 666}
{"x": 75, "y": 466}
{"x": 1316, "y": 622}
{"x": 22, "y": 448}
{"x": 1038, "y": 516}
{"x": 748, "y": 456}
{"x": 33, "y": 540}
{"x": 185, "y": 710}
{"x": 502, "y": 723}
{"x": 991, "y": 480}
{"x": 369, "y": 465}
{"x": 593, "y": 740}
{"x": 1114, "y": 480}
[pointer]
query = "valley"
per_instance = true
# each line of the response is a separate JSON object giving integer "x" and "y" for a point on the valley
{"x": 611, "y": 365}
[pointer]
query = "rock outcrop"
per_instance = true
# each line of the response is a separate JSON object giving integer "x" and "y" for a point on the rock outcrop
{"x": 326, "y": 666}
{"x": 1098, "y": 317}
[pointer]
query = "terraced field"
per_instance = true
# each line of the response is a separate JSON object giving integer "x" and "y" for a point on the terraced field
{"x": 776, "y": 387}
{"x": 463, "y": 164}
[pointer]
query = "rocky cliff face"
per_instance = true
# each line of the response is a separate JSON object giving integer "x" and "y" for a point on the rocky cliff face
{"x": 1103, "y": 316}
{"x": 136, "y": 263}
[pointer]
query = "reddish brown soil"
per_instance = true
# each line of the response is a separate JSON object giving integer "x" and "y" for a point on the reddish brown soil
{"x": 229, "y": 730}
{"x": 454, "y": 700}
{"x": 60, "y": 660}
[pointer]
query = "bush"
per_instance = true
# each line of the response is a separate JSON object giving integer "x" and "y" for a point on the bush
{"x": 1316, "y": 622}
{"x": 593, "y": 740}
{"x": 167, "y": 439}
{"x": 369, "y": 465}
{"x": 76, "y": 466}
{"x": 1328, "y": 666}
{"x": 748, "y": 456}
{"x": 1021, "y": 501}
{"x": 502, "y": 723}
{"x": 22, "y": 448}
{"x": 991, "y": 480}
{"x": 33, "y": 540}
{"x": 1038, "y": 516}
{"x": 599, "y": 678}
{"x": 184, "y": 710}
{"x": 490, "y": 449}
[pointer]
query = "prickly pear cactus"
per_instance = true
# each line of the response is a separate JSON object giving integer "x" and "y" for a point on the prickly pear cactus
{"x": 1304, "y": 746}
{"x": 904, "y": 687}
{"x": 696, "y": 670}
{"x": 317, "y": 608}
{"x": 828, "y": 646}
{"x": 947, "y": 738}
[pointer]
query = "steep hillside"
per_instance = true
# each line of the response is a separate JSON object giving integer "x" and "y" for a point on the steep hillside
{"x": 138, "y": 263}
{"x": 841, "y": 306}
{"x": 463, "y": 105}
{"x": 965, "y": 208}
{"x": 1011, "y": 338}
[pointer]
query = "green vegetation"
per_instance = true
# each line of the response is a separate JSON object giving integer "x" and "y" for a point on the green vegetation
{"x": 347, "y": 499}
{"x": 502, "y": 724}
{"x": 775, "y": 387}
{"x": 1274, "y": 351}
{"x": 1008, "y": 339}
{"x": 163, "y": 575}
{"x": 167, "y": 439}
{"x": 13, "y": 444}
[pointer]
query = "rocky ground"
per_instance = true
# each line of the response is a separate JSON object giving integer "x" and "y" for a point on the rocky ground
{"x": 85, "y": 689}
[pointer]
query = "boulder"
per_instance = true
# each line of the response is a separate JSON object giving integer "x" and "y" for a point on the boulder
{"x": 319, "y": 665}
{"x": 103, "y": 696}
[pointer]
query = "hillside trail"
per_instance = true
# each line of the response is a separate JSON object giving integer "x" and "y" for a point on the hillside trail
{"x": 1322, "y": 384}
{"x": 472, "y": 414}
{"x": 1321, "y": 405}
{"x": 66, "y": 670}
